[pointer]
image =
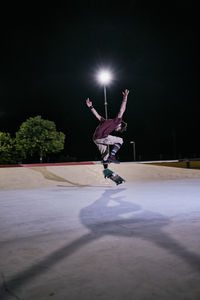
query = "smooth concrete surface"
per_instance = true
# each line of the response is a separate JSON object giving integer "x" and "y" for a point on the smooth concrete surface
{"x": 86, "y": 175}
{"x": 90, "y": 239}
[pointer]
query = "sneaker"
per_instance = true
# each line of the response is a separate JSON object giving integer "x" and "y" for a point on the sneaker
{"x": 104, "y": 162}
{"x": 105, "y": 166}
{"x": 112, "y": 159}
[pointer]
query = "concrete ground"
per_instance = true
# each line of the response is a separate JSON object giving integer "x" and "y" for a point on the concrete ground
{"x": 68, "y": 233}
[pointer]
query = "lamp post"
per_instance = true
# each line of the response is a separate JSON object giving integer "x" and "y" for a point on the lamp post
{"x": 134, "y": 154}
{"x": 105, "y": 102}
{"x": 104, "y": 77}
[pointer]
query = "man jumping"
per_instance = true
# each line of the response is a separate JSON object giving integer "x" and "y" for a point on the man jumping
{"x": 102, "y": 137}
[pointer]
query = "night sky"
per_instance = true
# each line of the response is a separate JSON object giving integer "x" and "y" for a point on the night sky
{"x": 50, "y": 55}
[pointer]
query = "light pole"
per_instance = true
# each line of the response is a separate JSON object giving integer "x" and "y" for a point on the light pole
{"x": 134, "y": 154}
{"x": 104, "y": 77}
{"x": 105, "y": 102}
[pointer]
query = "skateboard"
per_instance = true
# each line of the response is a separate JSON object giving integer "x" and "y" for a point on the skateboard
{"x": 113, "y": 176}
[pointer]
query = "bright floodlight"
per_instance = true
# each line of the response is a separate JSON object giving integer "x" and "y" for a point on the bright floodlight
{"x": 104, "y": 77}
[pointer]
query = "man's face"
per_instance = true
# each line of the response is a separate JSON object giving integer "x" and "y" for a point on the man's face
{"x": 118, "y": 127}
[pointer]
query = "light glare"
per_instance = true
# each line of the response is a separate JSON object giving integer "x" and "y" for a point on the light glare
{"x": 104, "y": 77}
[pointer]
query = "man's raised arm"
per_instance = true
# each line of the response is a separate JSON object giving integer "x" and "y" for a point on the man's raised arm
{"x": 93, "y": 110}
{"x": 123, "y": 105}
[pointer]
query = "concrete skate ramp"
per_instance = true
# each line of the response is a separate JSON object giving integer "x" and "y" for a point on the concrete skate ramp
{"x": 86, "y": 175}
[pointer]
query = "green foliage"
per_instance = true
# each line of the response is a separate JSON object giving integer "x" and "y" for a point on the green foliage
{"x": 39, "y": 136}
{"x": 7, "y": 148}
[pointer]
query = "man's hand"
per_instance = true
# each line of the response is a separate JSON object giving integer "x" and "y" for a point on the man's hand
{"x": 123, "y": 105}
{"x": 125, "y": 94}
{"x": 93, "y": 110}
{"x": 88, "y": 102}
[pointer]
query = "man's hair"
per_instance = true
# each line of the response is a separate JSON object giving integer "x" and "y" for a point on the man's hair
{"x": 123, "y": 126}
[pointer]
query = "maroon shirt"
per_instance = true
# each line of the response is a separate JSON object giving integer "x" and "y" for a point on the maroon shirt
{"x": 106, "y": 127}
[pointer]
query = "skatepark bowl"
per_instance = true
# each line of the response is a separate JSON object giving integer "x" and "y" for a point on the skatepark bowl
{"x": 68, "y": 233}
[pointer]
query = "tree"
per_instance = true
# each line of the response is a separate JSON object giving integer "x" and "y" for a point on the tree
{"x": 6, "y": 148}
{"x": 39, "y": 136}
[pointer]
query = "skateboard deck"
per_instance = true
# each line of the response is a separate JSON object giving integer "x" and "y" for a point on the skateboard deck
{"x": 113, "y": 176}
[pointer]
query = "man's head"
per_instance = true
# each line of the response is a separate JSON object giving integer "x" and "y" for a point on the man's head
{"x": 121, "y": 127}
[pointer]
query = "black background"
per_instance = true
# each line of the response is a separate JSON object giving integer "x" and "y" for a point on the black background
{"x": 50, "y": 56}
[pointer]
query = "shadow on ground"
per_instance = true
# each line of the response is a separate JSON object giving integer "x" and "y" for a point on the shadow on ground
{"x": 51, "y": 176}
{"x": 124, "y": 219}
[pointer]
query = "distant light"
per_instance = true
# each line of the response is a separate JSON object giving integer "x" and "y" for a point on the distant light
{"x": 104, "y": 77}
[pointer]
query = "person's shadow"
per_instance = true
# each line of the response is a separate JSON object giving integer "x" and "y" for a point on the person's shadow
{"x": 109, "y": 215}
{"x": 127, "y": 219}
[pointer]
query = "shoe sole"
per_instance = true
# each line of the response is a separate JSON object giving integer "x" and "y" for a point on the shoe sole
{"x": 114, "y": 162}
